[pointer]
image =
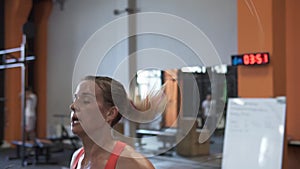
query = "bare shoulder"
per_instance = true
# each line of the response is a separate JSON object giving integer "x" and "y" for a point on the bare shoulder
{"x": 131, "y": 159}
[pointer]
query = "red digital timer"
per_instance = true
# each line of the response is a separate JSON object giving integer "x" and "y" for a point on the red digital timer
{"x": 251, "y": 59}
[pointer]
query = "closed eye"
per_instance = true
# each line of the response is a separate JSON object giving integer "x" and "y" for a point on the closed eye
{"x": 84, "y": 98}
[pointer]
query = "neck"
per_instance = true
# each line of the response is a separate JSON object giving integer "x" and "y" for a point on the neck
{"x": 100, "y": 144}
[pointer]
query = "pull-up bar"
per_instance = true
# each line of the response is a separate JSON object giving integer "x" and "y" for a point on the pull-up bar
{"x": 12, "y": 63}
{"x": 3, "y": 52}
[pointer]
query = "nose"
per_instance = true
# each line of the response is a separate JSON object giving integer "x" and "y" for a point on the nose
{"x": 73, "y": 106}
{"x": 73, "y": 110}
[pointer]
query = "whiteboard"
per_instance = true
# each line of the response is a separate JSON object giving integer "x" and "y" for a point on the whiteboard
{"x": 254, "y": 134}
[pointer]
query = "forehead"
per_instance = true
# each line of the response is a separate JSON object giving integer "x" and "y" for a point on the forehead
{"x": 87, "y": 86}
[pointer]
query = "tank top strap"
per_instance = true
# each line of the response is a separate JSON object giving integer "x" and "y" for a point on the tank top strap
{"x": 81, "y": 151}
{"x": 112, "y": 161}
{"x": 113, "y": 158}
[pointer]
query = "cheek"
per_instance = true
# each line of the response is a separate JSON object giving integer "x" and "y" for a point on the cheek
{"x": 91, "y": 118}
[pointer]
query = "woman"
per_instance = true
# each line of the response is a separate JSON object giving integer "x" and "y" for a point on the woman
{"x": 30, "y": 113}
{"x": 99, "y": 104}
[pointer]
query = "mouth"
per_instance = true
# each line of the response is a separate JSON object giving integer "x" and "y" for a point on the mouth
{"x": 74, "y": 120}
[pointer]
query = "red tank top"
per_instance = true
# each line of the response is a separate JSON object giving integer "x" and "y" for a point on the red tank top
{"x": 113, "y": 158}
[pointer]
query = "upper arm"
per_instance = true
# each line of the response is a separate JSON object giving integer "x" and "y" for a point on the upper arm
{"x": 131, "y": 159}
{"x": 136, "y": 163}
{"x": 145, "y": 163}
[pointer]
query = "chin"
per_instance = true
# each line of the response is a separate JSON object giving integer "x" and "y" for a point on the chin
{"x": 76, "y": 131}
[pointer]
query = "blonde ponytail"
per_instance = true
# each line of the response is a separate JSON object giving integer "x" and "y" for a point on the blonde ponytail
{"x": 149, "y": 108}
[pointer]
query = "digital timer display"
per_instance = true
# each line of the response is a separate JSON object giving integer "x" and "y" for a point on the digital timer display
{"x": 250, "y": 59}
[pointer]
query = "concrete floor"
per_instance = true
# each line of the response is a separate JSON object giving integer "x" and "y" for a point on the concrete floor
{"x": 168, "y": 161}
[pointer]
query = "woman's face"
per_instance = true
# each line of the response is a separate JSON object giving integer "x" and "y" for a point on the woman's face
{"x": 87, "y": 109}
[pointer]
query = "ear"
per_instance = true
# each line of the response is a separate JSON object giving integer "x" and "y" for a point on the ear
{"x": 111, "y": 114}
